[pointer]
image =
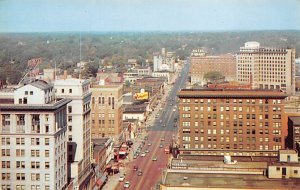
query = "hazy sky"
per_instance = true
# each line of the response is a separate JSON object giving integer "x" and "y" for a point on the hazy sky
{"x": 148, "y": 15}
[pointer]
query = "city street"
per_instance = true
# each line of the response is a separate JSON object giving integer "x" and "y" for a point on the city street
{"x": 158, "y": 135}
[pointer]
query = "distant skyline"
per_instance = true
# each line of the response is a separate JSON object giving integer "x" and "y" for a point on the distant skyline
{"x": 148, "y": 15}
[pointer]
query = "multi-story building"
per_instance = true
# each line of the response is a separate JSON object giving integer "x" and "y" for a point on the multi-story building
{"x": 266, "y": 68}
{"x": 107, "y": 110}
{"x": 79, "y": 130}
{"x": 202, "y": 64}
{"x": 233, "y": 121}
{"x": 163, "y": 61}
{"x": 33, "y": 133}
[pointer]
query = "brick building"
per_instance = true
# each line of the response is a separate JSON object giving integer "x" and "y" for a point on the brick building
{"x": 106, "y": 114}
{"x": 202, "y": 64}
{"x": 219, "y": 121}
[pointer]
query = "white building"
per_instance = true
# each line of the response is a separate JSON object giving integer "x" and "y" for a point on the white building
{"x": 266, "y": 68}
{"x": 33, "y": 140}
{"x": 79, "y": 132}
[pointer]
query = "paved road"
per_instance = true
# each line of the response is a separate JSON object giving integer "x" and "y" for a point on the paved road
{"x": 152, "y": 170}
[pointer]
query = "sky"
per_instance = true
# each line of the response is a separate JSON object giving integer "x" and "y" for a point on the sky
{"x": 148, "y": 15}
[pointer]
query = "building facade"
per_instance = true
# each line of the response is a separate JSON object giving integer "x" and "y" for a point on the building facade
{"x": 266, "y": 68}
{"x": 232, "y": 121}
{"x": 79, "y": 130}
{"x": 33, "y": 134}
{"x": 202, "y": 64}
{"x": 107, "y": 110}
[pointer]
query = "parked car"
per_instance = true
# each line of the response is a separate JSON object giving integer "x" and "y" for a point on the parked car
{"x": 143, "y": 154}
{"x": 135, "y": 168}
{"x": 154, "y": 158}
{"x": 160, "y": 146}
{"x": 146, "y": 151}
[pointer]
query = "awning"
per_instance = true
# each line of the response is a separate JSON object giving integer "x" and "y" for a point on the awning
{"x": 122, "y": 152}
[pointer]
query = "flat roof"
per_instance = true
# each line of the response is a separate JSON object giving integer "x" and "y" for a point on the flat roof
{"x": 34, "y": 107}
{"x": 229, "y": 181}
{"x": 230, "y": 93}
{"x": 295, "y": 119}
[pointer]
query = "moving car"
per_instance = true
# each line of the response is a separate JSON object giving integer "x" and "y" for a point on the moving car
{"x": 146, "y": 151}
{"x": 143, "y": 154}
{"x": 149, "y": 144}
{"x": 154, "y": 158}
{"x": 162, "y": 139}
{"x": 135, "y": 168}
{"x": 160, "y": 146}
{"x": 121, "y": 178}
{"x": 127, "y": 184}
{"x": 140, "y": 173}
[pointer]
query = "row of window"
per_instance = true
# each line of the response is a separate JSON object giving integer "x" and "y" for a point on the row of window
{"x": 234, "y": 131}
{"x": 21, "y": 141}
{"x": 22, "y": 187}
{"x": 21, "y": 153}
{"x": 248, "y": 101}
{"x": 22, "y": 176}
{"x": 227, "y": 146}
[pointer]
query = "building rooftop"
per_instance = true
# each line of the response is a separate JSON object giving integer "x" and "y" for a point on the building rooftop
{"x": 228, "y": 181}
{"x": 41, "y": 85}
{"x": 296, "y": 120}
{"x": 230, "y": 93}
{"x": 34, "y": 107}
{"x": 287, "y": 152}
{"x": 71, "y": 81}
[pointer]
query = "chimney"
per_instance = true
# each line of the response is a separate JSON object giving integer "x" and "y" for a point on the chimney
{"x": 65, "y": 74}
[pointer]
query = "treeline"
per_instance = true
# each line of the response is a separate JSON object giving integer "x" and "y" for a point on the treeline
{"x": 63, "y": 49}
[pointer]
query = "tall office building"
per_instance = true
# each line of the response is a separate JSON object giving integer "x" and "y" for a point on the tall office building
{"x": 33, "y": 139}
{"x": 107, "y": 110}
{"x": 219, "y": 121}
{"x": 267, "y": 68}
{"x": 79, "y": 132}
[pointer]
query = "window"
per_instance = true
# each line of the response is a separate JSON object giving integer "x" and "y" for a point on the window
{"x": 20, "y": 164}
{"x": 46, "y": 153}
{"x": 20, "y": 187}
{"x": 35, "y": 141}
{"x": 295, "y": 171}
{"x": 5, "y": 164}
{"x": 5, "y": 152}
{"x": 70, "y": 91}
{"x": 35, "y": 165}
{"x": 26, "y": 92}
{"x": 62, "y": 90}
{"x": 69, "y": 109}
{"x": 35, "y": 177}
{"x": 5, "y": 141}
{"x": 35, "y": 153}
{"x": 31, "y": 92}
{"x": 47, "y": 141}
{"x": 20, "y": 176}
{"x": 47, "y": 165}
{"x": 20, "y": 141}
{"x": 47, "y": 177}
{"x": 5, "y": 176}
{"x": 35, "y": 187}
{"x": 69, "y": 118}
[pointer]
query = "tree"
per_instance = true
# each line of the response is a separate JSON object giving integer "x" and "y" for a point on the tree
{"x": 212, "y": 76}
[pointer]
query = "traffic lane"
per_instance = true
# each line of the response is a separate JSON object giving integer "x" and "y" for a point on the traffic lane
{"x": 147, "y": 165}
{"x": 142, "y": 163}
{"x": 154, "y": 168}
